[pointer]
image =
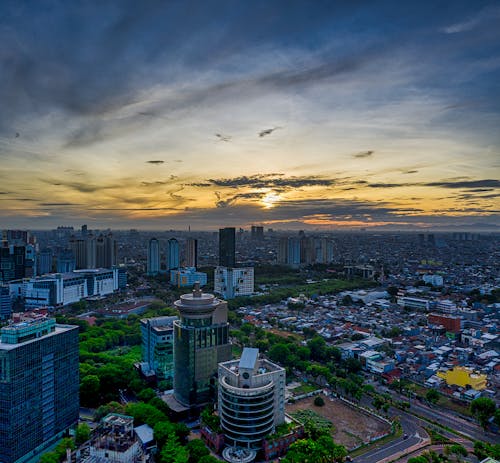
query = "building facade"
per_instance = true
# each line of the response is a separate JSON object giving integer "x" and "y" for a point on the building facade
{"x": 201, "y": 341}
{"x": 5, "y": 303}
{"x": 173, "y": 257}
{"x": 227, "y": 247}
{"x": 234, "y": 282}
{"x": 191, "y": 258}
{"x": 153, "y": 265}
{"x": 158, "y": 347}
{"x": 39, "y": 368}
{"x": 251, "y": 399}
{"x": 188, "y": 276}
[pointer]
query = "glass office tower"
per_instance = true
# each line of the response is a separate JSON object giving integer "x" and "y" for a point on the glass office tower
{"x": 201, "y": 341}
{"x": 38, "y": 387}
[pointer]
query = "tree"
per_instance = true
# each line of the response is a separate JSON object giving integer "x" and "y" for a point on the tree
{"x": 145, "y": 413}
{"x": 173, "y": 452}
{"x": 82, "y": 433}
{"x": 432, "y": 396}
{"x": 318, "y": 348}
{"x": 208, "y": 459}
{"x": 483, "y": 409}
{"x": 197, "y": 450}
{"x": 318, "y": 401}
{"x": 458, "y": 450}
{"x": 146, "y": 395}
{"x": 89, "y": 390}
{"x": 162, "y": 432}
{"x": 279, "y": 353}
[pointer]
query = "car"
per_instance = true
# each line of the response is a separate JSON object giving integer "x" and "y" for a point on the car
{"x": 405, "y": 436}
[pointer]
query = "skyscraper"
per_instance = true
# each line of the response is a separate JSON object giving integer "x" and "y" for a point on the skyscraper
{"x": 153, "y": 257}
{"x": 201, "y": 341}
{"x": 44, "y": 262}
{"x": 38, "y": 387}
{"x": 5, "y": 303}
{"x": 12, "y": 262}
{"x": 191, "y": 259}
{"x": 105, "y": 251}
{"x": 173, "y": 259}
{"x": 227, "y": 247}
{"x": 84, "y": 250}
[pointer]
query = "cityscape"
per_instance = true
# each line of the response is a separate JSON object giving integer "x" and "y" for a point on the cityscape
{"x": 249, "y": 232}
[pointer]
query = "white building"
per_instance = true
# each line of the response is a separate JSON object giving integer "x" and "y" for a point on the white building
{"x": 60, "y": 289}
{"x": 434, "y": 280}
{"x": 251, "y": 399}
{"x": 234, "y": 282}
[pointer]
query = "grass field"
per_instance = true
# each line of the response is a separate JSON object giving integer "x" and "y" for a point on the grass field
{"x": 351, "y": 427}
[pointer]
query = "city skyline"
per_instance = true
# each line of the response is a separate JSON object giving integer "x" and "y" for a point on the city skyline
{"x": 337, "y": 116}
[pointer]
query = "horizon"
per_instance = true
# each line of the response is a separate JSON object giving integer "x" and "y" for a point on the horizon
{"x": 337, "y": 117}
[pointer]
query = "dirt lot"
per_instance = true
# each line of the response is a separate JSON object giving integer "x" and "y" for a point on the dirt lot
{"x": 352, "y": 427}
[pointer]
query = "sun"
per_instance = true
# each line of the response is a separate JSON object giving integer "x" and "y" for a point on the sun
{"x": 270, "y": 199}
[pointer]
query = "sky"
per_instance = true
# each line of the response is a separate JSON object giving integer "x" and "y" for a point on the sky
{"x": 325, "y": 115}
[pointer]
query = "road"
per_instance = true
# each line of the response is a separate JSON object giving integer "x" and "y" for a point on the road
{"x": 416, "y": 435}
{"x": 413, "y": 427}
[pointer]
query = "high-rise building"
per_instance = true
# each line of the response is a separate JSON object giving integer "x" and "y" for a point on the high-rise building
{"x": 105, "y": 251}
{"x": 324, "y": 251}
{"x": 153, "y": 257}
{"x": 173, "y": 258}
{"x": 5, "y": 303}
{"x": 38, "y": 387}
{"x": 66, "y": 261}
{"x": 12, "y": 262}
{"x": 44, "y": 261}
{"x": 227, "y": 247}
{"x": 234, "y": 282}
{"x": 84, "y": 250}
{"x": 251, "y": 399}
{"x": 191, "y": 259}
{"x": 257, "y": 233}
{"x": 158, "y": 347}
{"x": 201, "y": 342}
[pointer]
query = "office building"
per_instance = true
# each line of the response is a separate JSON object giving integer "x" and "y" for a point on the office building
{"x": 188, "y": 276}
{"x": 173, "y": 257}
{"x": 251, "y": 399}
{"x": 257, "y": 233}
{"x": 234, "y": 282}
{"x": 5, "y": 303}
{"x": 30, "y": 261}
{"x": 38, "y": 387}
{"x": 227, "y": 247}
{"x": 191, "y": 259}
{"x": 12, "y": 262}
{"x": 153, "y": 257}
{"x": 61, "y": 289}
{"x": 66, "y": 261}
{"x": 84, "y": 250}
{"x": 105, "y": 251}
{"x": 44, "y": 262}
{"x": 158, "y": 347}
{"x": 201, "y": 342}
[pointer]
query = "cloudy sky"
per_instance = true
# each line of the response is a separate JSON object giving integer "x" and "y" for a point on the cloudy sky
{"x": 290, "y": 114}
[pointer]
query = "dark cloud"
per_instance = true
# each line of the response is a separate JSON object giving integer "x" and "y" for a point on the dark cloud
{"x": 410, "y": 172}
{"x": 266, "y": 132}
{"x": 80, "y": 186}
{"x": 58, "y": 204}
{"x": 157, "y": 183}
{"x": 268, "y": 181}
{"x": 231, "y": 200}
{"x": 467, "y": 184}
{"x": 155, "y": 161}
{"x": 363, "y": 154}
{"x": 386, "y": 185}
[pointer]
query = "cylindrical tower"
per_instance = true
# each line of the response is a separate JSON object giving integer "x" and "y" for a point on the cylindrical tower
{"x": 246, "y": 414}
{"x": 201, "y": 341}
